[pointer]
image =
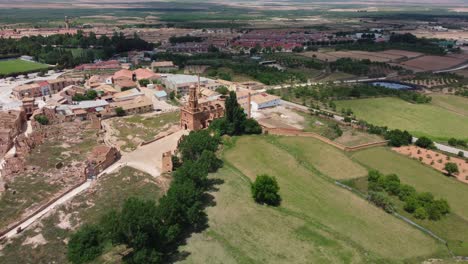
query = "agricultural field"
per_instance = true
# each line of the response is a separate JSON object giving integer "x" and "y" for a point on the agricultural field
{"x": 20, "y": 66}
{"x": 379, "y": 56}
{"x": 453, "y": 228}
{"x": 420, "y": 119}
{"x": 46, "y": 243}
{"x": 317, "y": 222}
{"x": 432, "y": 63}
{"x": 431, "y": 83}
{"x": 453, "y": 103}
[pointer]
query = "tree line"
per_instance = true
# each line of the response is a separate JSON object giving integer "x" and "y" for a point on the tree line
{"x": 420, "y": 205}
{"x": 57, "y": 49}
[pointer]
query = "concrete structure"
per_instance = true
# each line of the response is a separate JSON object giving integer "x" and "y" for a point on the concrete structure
{"x": 196, "y": 116}
{"x": 161, "y": 95}
{"x": 163, "y": 66}
{"x": 180, "y": 83}
{"x": 127, "y": 95}
{"x": 43, "y": 88}
{"x": 258, "y": 100}
{"x": 137, "y": 105}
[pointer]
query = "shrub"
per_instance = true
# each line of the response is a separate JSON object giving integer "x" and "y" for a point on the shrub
{"x": 251, "y": 126}
{"x": 119, "y": 111}
{"x": 424, "y": 142}
{"x": 398, "y": 138}
{"x": 374, "y": 175}
{"x": 461, "y": 154}
{"x": 381, "y": 200}
{"x": 41, "y": 119}
{"x": 411, "y": 204}
{"x": 265, "y": 190}
{"x": 85, "y": 245}
{"x": 405, "y": 192}
{"x": 451, "y": 168}
{"x": 420, "y": 213}
{"x": 392, "y": 184}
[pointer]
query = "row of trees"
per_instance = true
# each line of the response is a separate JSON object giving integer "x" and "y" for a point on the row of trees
{"x": 420, "y": 205}
{"x": 154, "y": 231}
{"x": 57, "y": 49}
{"x": 405, "y": 41}
{"x": 324, "y": 93}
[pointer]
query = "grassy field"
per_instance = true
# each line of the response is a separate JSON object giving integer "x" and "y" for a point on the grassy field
{"x": 54, "y": 230}
{"x": 419, "y": 119}
{"x": 452, "y": 103}
{"x": 18, "y": 66}
{"x": 317, "y": 222}
{"x": 454, "y": 228}
{"x": 138, "y": 128}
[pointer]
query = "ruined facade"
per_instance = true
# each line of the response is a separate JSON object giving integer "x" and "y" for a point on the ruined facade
{"x": 11, "y": 125}
{"x": 100, "y": 158}
{"x": 167, "y": 165}
{"x": 195, "y": 115}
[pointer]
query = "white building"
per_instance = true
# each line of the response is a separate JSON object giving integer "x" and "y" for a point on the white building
{"x": 180, "y": 83}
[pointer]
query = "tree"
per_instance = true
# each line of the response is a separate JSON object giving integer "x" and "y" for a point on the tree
{"x": 461, "y": 154}
{"x": 222, "y": 90}
{"x": 424, "y": 142}
{"x": 420, "y": 213}
{"x": 119, "y": 111}
{"x": 398, "y": 138}
{"x": 172, "y": 95}
{"x": 451, "y": 168}
{"x": 411, "y": 204}
{"x": 144, "y": 82}
{"x": 405, "y": 192}
{"x": 265, "y": 190}
{"x": 41, "y": 119}
{"x": 85, "y": 245}
{"x": 209, "y": 160}
{"x": 251, "y": 126}
{"x": 192, "y": 145}
{"x": 381, "y": 200}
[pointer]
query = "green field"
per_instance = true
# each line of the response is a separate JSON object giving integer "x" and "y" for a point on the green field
{"x": 109, "y": 193}
{"x": 453, "y": 228}
{"x": 19, "y": 66}
{"x": 453, "y": 103}
{"x": 317, "y": 222}
{"x": 419, "y": 119}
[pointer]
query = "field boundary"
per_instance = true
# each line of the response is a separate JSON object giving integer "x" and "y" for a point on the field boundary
{"x": 300, "y": 133}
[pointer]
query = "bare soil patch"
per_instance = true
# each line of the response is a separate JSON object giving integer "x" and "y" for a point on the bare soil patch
{"x": 432, "y": 63}
{"x": 436, "y": 160}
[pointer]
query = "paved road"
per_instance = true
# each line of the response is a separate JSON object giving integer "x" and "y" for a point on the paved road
{"x": 439, "y": 146}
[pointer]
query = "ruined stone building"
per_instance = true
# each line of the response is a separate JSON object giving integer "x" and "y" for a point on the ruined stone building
{"x": 197, "y": 115}
{"x": 11, "y": 124}
{"x": 100, "y": 158}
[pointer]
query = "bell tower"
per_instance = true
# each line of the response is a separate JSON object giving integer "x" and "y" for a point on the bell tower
{"x": 193, "y": 98}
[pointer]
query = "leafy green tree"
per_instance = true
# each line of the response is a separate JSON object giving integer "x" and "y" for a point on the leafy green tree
{"x": 398, "y": 138}
{"x": 424, "y": 142}
{"x": 420, "y": 213}
{"x": 119, "y": 111}
{"x": 209, "y": 160}
{"x": 222, "y": 90}
{"x": 144, "y": 82}
{"x": 265, "y": 190}
{"x": 192, "y": 146}
{"x": 411, "y": 204}
{"x": 251, "y": 126}
{"x": 41, "y": 119}
{"x": 406, "y": 191}
{"x": 85, "y": 245}
{"x": 381, "y": 200}
{"x": 451, "y": 168}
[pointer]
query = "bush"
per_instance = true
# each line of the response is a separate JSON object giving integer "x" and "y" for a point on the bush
{"x": 398, "y": 138}
{"x": 41, "y": 119}
{"x": 411, "y": 204}
{"x": 85, "y": 245}
{"x": 424, "y": 142}
{"x": 222, "y": 90}
{"x": 265, "y": 190}
{"x": 251, "y": 126}
{"x": 420, "y": 213}
{"x": 381, "y": 200}
{"x": 461, "y": 154}
{"x": 119, "y": 111}
{"x": 451, "y": 168}
{"x": 405, "y": 192}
